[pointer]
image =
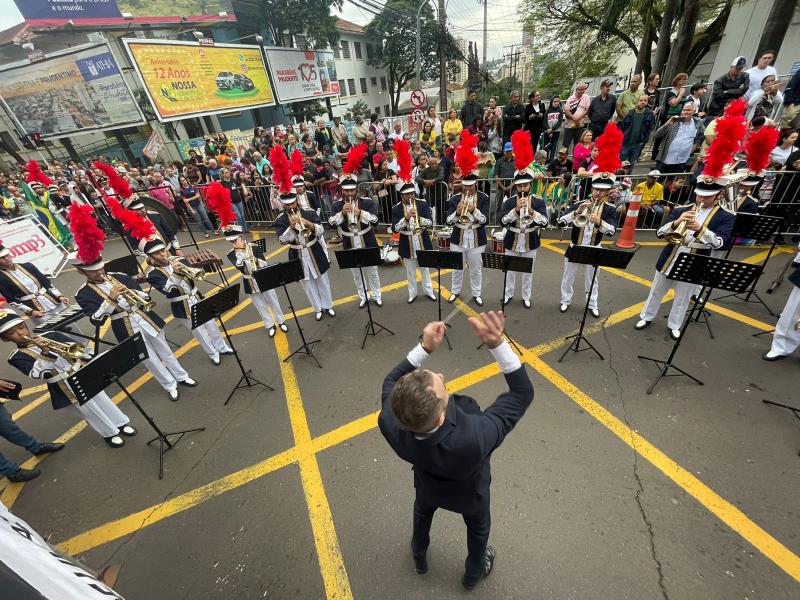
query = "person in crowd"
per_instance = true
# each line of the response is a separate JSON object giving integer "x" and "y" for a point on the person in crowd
{"x": 385, "y": 183}
{"x": 628, "y": 99}
{"x": 397, "y": 133}
{"x": 479, "y": 129}
{"x": 534, "y": 118}
{"x": 636, "y": 127}
{"x": 428, "y": 176}
{"x": 427, "y": 138}
{"x": 309, "y": 146}
{"x": 513, "y": 116}
{"x": 495, "y": 138}
{"x": 322, "y": 135}
{"x": 486, "y": 162}
{"x": 237, "y": 192}
{"x": 762, "y": 69}
{"x": 674, "y": 100}
{"x": 583, "y": 148}
{"x": 446, "y": 162}
{"x": 602, "y": 108}
{"x": 559, "y": 197}
{"x": 338, "y": 134}
{"x": 435, "y": 120}
{"x": 767, "y": 102}
{"x": 681, "y": 135}
{"x": 452, "y": 126}
{"x": 493, "y": 114}
{"x": 553, "y": 121}
{"x": 360, "y": 131}
{"x": 586, "y": 170}
{"x": 210, "y": 148}
{"x": 787, "y": 186}
{"x": 785, "y": 147}
{"x": 212, "y": 170}
{"x": 191, "y": 196}
{"x": 560, "y": 164}
{"x": 790, "y": 118}
{"x": 730, "y": 86}
{"x": 159, "y": 190}
{"x": 575, "y": 110}
{"x": 471, "y": 109}
{"x": 652, "y": 212}
{"x": 376, "y": 128}
{"x": 696, "y": 95}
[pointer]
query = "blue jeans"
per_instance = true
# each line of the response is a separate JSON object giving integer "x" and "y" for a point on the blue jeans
{"x": 202, "y": 214}
{"x": 11, "y": 431}
{"x": 630, "y": 152}
{"x": 238, "y": 208}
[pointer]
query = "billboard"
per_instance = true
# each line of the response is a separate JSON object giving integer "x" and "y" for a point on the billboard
{"x": 186, "y": 79}
{"x": 29, "y": 241}
{"x": 78, "y": 90}
{"x": 302, "y": 74}
{"x": 54, "y": 13}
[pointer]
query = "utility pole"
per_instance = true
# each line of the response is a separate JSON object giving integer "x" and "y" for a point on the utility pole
{"x": 485, "y": 7}
{"x": 442, "y": 58}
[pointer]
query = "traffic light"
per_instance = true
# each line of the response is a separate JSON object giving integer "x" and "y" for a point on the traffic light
{"x": 36, "y": 138}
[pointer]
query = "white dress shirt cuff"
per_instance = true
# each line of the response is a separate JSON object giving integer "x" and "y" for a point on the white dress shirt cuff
{"x": 505, "y": 357}
{"x": 425, "y": 222}
{"x": 417, "y": 356}
{"x": 711, "y": 239}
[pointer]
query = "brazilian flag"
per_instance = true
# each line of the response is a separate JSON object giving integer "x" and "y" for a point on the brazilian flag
{"x": 41, "y": 206}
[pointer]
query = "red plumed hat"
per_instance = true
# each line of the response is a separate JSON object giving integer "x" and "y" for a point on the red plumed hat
{"x": 355, "y": 159}
{"x": 281, "y": 170}
{"x": 403, "y": 151}
{"x": 521, "y": 146}
{"x": 89, "y": 238}
{"x": 35, "y": 174}
{"x": 117, "y": 183}
{"x": 730, "y": 131}
{"x": 759, "y": 147}
{"x": 609, "y": 145}
{"x": 297, "y": 163}
{"x": 465, "y": 158}
{"x": 218, "y": 198}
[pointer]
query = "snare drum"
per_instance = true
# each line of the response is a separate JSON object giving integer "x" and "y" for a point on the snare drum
{"x": 444, "y": 238}
{"x": 497, "y": 241}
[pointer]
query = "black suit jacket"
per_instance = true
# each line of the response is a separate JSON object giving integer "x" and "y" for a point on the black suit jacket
{"x": 451, "y": 466}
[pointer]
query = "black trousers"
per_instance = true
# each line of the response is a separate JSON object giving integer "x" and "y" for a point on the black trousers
{"x": 477, "y": 516}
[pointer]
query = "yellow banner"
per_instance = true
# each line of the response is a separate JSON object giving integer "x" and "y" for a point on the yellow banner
{"x": 185, "y": 79}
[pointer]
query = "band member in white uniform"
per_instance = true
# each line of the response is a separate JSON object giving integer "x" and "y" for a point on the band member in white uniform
{"x": 249, "y": 258}
{"x": 522, "y": 214}
{"x": 174, "y": 278}
{"x": 701, "y": 227}
{"x": 467, "y": 213}
{"x": 786, "y": 338}
{"x": 354, "y": 218}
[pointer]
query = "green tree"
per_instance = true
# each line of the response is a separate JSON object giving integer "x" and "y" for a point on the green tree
{"x": 360, "y": 109}
{"x": 396, "y": 25}
{"x": 311, "y": 18}
{"x": 306, "y": 110}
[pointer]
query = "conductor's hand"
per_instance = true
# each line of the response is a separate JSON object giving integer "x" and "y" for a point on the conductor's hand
{"x": 432, "y": 335}
{"x": 489, "y": 327}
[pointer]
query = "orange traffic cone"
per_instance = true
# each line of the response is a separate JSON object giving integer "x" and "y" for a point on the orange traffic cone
{"x": 625, "y": 240}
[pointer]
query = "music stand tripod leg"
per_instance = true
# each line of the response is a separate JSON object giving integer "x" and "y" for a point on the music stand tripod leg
{"x": 371, "y": 324}
{"x": 576, "y": 341}
{"x": 247, "y": 378}
{"x": 306, "y": 346}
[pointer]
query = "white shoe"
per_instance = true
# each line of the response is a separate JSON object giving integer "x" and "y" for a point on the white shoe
{"x": 507, "y": 299}
{"x": 173, "y": 394}
{"x": 284, "y": 327}
{"x": 331, "y": 312}
{"x": 641, "y": 324}
{"x": 452, "y": 298}
{"x": 215, "y": 360}
{"x": 271, "y": 331}
{"x": 379, "y": 302}
{"x": 478, "y": 300}
{"x": 362, "y": 304}
{"x": 595, "y": 313}
{"x": 675, "y": 334}
{"x": 563, "y": 308}
{"x": 526, "y": 303}
{"x": 188, "y": 382}
{"x": 318, "y": 316}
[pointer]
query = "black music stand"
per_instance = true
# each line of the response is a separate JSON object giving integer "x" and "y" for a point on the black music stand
{"x": 213, "y": 307}
{"x": 261, "y": 243}
{"x": 108, "y": 368}
{"x": 794, "y": 409}
{"x": 440, "y": 259}
{"x": 128, "y": 264}
{"x": 358, "y": 258}
{"x": 710, "y": 273}
{"x": 506, "y": 263}
{"x": 791, "y": 215}
{"x": 282, "y": 274}
{"x": 758, "y": 227}
{"x": 595, "y": 257}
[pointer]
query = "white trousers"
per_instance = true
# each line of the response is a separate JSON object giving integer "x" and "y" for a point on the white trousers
{"x": 472, "y": 259}
{"x": 162, "y": 362}
{"x": 661, "y": 285}
{"x": 319, "y": 292}
{"x": 411, "y": 277}
{"x": 570, "y": 270}
{"x": 372, "y": 279}
{"x": 263, "y": 301}
{"x": 786, "y": 338}
{"x": 527, "y": 278}
{"x": 208, "y": 336}
{"x": 102, "y": 415}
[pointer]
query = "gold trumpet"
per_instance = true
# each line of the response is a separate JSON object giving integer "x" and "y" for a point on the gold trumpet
{"x": 295, "y": 218}
{"x": 582, "y": 215}
{"x": 352, "y": 222}
{"x": 525, "y": 216}
{"x": 677, "y": 235}
{"x": 467, "y": 203}
{"x": 413, "y": 222}
{"x": 181, "y": 270}
{"x": 250, "y": 257}
{"x": 72, "y": 352}
{"x": 135, "y": 302}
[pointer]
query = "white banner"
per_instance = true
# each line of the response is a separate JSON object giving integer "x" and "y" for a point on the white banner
{"x": 154, "y": 146}
{"x": 302, "y": 74}
{"x": 28, "y": 241}
{"x": 38, "y": 572}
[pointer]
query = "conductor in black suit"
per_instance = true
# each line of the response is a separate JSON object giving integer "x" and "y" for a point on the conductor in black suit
{"x": 449, "y": 440}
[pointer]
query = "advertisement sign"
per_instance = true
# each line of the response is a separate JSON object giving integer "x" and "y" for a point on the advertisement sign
{"x": 185, "y": 79}
{"x": 154, "y": 146}
{"x": 53, "y": 13}
{"x": 79, "y": 90}
{"x": 302, "y": 74}
{"x": 28, "y": 241}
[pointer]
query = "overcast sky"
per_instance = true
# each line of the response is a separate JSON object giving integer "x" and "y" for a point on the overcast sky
{"x": 465, "y": 18}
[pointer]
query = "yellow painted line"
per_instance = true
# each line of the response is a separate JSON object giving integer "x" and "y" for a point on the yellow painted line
{"x": 716, "y": 504}
{"x": 329, "y": 554}
{"x": 611, "y": 243}
{"x": 144, "y": 518}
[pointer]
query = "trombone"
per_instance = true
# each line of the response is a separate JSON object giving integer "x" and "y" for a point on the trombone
{"x": 413, "y": 222}
{"x": 352, "y": 222}
{"x": 135, "y": 302}
{"x": 676, "y": 236}
{"x": 295, "y": 218}
{"x": 72, "y": 352}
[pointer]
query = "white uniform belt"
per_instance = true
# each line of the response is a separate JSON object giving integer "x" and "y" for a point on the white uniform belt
{"x": 191, "y": 294}
{"x": 122, "y": 315}
{"x": 517, "y": 230}
{"x": 36, "y": 294}
{"x": 299, "y": 247}
{"x": 462, "y": 226}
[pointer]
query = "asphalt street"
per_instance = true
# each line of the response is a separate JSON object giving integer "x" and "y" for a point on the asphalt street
{"x": 601, "y": 492}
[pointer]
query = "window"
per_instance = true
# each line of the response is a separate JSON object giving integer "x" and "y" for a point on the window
{"x": 345, "y": 49}
{"x": 383, "y": 83}
{"x": 370, "y": 51}
{"x": 363, "y": 82}
{"x": 342, "y": 88}
{"x": 373, "y": 81}
{"x": 351, "y": 85}
{"x": 386, "y": 108}
{"x": 336, "y": 52}
{"x": 377, "y": 110}
{"x": 357, "y": 48}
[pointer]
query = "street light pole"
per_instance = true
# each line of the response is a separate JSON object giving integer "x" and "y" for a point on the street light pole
{"x": 419, "y": 37}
